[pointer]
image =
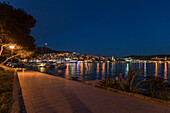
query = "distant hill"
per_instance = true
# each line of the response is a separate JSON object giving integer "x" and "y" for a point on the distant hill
{"x": 148, "y": 57}
{"x": 43, "y": 50}
{"x": 160, "y": 56}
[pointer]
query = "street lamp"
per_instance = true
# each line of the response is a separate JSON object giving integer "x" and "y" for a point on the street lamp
{"x": 12, "y": 50}
{"x": 11, "y": 47}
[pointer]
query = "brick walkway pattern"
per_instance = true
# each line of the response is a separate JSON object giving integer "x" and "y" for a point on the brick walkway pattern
{"x": 44, "y": 93}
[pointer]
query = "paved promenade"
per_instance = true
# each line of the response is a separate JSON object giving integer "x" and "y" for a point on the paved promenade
{"x": 44, "y": 93}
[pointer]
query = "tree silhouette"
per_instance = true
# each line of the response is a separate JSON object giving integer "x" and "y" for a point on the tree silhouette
{"x": 15, "y": 29}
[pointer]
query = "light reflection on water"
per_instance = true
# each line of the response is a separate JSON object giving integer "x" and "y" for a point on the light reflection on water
{"x": 156, "y": 69}
{"x": 100, "y": 71}
{"x": 165, "y": 71}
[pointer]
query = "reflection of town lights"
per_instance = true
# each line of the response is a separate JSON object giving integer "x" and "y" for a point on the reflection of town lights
{"x": 156, "y": 69}
{"x": 11, "y": 47}
{"x": 165, "y": 71}
{"x": 42, "y": 69}
{"x": 127, "y": 69}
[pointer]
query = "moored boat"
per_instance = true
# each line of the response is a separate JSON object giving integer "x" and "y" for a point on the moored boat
{"x": 61, "y": 66}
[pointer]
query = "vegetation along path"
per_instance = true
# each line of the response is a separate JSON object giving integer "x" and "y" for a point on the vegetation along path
{"x": 44, "y": 93}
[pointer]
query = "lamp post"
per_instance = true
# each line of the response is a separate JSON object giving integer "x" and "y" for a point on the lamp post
{"x": 12, "y": 50}
{"x": 46, "y": 47}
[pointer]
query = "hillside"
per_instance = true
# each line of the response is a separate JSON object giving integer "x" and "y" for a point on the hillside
{"x": 43, "y": 50}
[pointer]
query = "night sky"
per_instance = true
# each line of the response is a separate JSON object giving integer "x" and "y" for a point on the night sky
{"x": 101, "y": 27}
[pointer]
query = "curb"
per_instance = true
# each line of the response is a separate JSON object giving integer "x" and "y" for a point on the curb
{"x": 18, "y": 105}
{"x": 138, "y": 96}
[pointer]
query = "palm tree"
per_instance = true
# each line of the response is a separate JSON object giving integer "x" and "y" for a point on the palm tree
{"x": 155, "y": 86}
{"x": 158, "y": 88}
{"x": 129, "y": 84}
{"x": 106, "y": 83}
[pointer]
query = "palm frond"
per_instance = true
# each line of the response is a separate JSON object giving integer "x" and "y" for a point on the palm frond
{"x": 128, "y": 77}
{"x": 133, "y": 78}
{"x": 139, "y": 83}
{"x": 138, "y": 90}
{"x": 121, "y": 81}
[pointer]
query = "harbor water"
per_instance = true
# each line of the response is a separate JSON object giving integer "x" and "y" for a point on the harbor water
{"x": 101, "y": 71}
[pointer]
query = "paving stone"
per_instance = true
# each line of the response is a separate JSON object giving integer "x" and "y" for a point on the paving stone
{"x": 45, "y": 93}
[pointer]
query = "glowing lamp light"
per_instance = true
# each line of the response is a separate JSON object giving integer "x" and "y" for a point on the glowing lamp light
{"x": 11, "y": 47}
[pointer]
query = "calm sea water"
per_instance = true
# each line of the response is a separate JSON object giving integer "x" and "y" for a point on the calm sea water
{"x": 100, "y": 71}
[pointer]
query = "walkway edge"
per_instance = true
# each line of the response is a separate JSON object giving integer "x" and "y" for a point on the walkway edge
{"x": 18, "y": 105}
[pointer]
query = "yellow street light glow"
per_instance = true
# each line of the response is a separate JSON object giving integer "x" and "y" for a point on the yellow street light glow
{"x": 12, "y": 47}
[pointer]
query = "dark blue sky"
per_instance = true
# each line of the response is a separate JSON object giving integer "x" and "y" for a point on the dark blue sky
{"x": 101, "y": 27}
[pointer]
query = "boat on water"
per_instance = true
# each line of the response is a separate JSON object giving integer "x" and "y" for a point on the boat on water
{"x": 61, "y": 66}
{"x": 42, "y": 64}
{"x": 73, "y": 61}
{"x": 59, "y": 62}
{"x": 19, "y": 66}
